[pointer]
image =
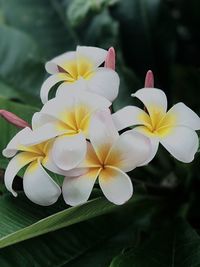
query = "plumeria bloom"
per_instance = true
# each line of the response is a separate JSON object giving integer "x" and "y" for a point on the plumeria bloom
{"x": 109, "y": 156}
{"x": 66, "y": 117}
{"x": 174, "y": 129}
{"x": 39, "y": 187}
{"x": 83, "y": 64}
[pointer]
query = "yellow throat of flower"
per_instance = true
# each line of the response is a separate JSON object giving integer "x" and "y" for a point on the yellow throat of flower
{"x": 157, "y": 122}
{"x": 73, "y": 70}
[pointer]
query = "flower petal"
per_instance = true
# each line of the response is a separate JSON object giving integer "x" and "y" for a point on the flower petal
{"x": 39, "y": 119}
{"x": 16, "y": 141}
{"x": 96, "y": 55}
{"x": 77, "y": 86}
{"x": 152, "y": 98}
{"x": 39, "y": 187}
{"x": 76, "y": 190}
{"x": 16, "y": 164}
{"x": 131, "y": 149}
{"x": 116, "y": 185}
{"x": 48, "y": 84}
{"x": 44, "y": 133}
{"x": 104, "y": 82}
{"x": 102, "y": 133}
{"x": 185, "y": 116}
{"x": 52, "y": 65}
{"x": 69, "y": 151}
{"x": 128, "y": 116}
{"x": 154, "y": 142}
{"x": 182, "y": 143}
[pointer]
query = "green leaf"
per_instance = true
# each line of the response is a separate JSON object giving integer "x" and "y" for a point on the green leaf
{"x": 18, "y": 221}
{"x": 20, "y": 69}
{"x": 43, "y": 21}
{"x": 91, "y": 243}
{"x": 79, "y": 10}
{"x": 175, "y": 246}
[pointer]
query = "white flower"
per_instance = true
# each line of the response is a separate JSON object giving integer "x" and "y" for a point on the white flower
{"x": 108, "y": 157}
{"x": 174, "y": 129}
{"x": 38, "y": 186}
{"x": 68, "y": 119}
{"x": 81, "y": 65}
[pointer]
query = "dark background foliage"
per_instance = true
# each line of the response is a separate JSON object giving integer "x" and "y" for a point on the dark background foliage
{"x": 159, "y": 227}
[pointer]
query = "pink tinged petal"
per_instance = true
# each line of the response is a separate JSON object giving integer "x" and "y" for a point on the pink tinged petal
{"x": 105, "y": 82}
{"x": 152, "y": 99}
{"x": 76, "y": 190}
{"x": 39, "y": 187}
{"x": 103, "y": 133}
{"x": 48, "y": 84}
{"x": 69, "y": 151}
{"x": 116, "y": 185}
{"x": 14, "y": 166}
{"x": 94, "y": 54}
{"x": 154, "y": 143}
{"x": 110, "y": 59}
{"x": 185, "y": 116}
{"x": 14, "y": 119}
{"x": 149, "y": 80}
{"x": 16, "y": 141}
{"x": 52, "y": 65}
{"x": 128, "y": 116}
{"x": 182, "y": 143}
{"x": 44, "y": 133}
{"x": 131, "y": 149}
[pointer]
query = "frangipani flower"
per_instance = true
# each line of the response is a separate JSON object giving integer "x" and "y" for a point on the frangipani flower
{"x": 174, "y": 129}
{"x": 66, "y": 117}
{"x": 83, "y": 64}
{"x": 108, "y": 157}
{"x": 39, "y": 187}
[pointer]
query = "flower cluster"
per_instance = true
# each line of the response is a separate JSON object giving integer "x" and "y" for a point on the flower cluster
{"x": 76, "y": 136}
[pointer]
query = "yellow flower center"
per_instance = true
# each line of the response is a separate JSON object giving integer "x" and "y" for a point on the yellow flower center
{"x": 73, "y": 70}
{"x": 157, "y": 122}
{"x": 35, "y": 152}
{"x": 75, "y": 120}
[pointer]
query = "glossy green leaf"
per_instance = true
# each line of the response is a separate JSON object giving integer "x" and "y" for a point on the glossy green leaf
{"x": 174, "y": 246}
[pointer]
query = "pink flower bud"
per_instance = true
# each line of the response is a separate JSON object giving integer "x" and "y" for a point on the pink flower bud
{"x": 13, "y": 119}
{"x": 110, "y": 59}
{"x": 149, "y": 79}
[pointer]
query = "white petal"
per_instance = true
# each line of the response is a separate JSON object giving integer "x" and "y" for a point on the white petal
{"x": 76, "y": 190}
{"x": 154, "y": 142}
{"x": 104, "y": 82}
{"x": 152, "y": 98}
{"x": 56, "y": 107}
{"x": 69, "y": 151}
{"x": 182, "y": 143}
{"x": 116, "y": 185}
{"x": 16, "y": 164}
{"x": 185, "y": 116}
{"x": 127, "y": 116}
{"x": 131, "y": 149}
{"x": 102, "y": 133}
{"x": 77, "y": 86}
{"x": 51, "y": 66}
{"x": 42, "y": 134}
{"x": 13, "y": 145}
{"x": 39, "y": 119}
{"x": 39, "y": 187}
{"x": 48, "y": 84}
{"x": 96, "y": 55}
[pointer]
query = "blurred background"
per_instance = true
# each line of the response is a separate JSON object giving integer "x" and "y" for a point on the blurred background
{"x": 162, "y": 35}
